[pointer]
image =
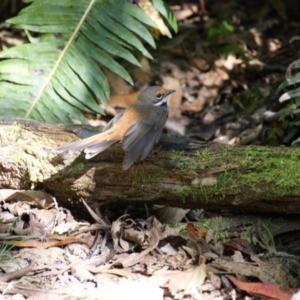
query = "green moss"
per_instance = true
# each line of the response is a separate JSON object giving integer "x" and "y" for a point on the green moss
{"x": 207, "y": 175}
{"x": 78, "y": 166}
{"x": 183, "y": 162}
{"x": 272, "y": 138}
{"x": 254, "y": 169}
{"x": 75, "y": 167}
{"x": 189, "y": 163}
{"x": 204, "y": 186}
{"x": 185, "y": 191}
{"x": 141, "y": 179}
{"x": 203, "y": 193}
{"x": 280, "y": 172}
{"x": 203, "y": 158}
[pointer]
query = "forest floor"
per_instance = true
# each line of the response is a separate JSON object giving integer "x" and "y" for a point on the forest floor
{"x": 226, "y": 64}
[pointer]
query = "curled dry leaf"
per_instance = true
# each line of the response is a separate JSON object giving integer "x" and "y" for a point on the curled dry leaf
{"x": 116, "y": 233}
{"x": 138, "y": 237}
{"x": 29, "y": 225}
{"x": 134, "y": 258}
{"x": 180, "y": 281}
{"x": 35, "y": 198}
{"x": 240, "y": 245}
{"x": 169, "y": 215}
{"x": 264, "y": 290}
{"x": 126, "y": 234}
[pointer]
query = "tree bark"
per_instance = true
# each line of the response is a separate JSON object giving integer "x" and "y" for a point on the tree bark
{"x": 183, "y": 173}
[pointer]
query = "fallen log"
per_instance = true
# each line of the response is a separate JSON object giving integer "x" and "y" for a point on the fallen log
{"x": 183, "y": 173}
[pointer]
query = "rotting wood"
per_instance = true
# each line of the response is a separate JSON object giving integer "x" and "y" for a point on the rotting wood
{"x": 183, "y": 173}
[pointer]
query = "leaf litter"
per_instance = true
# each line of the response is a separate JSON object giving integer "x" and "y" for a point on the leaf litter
{"x": 46, "y": 253}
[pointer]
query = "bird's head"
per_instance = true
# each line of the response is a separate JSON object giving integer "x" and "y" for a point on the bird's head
{"x": 156, "y": 95}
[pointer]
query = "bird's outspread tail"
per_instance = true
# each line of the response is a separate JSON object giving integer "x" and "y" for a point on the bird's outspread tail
{"x": 92, "y": 145}
{"x": 97, "y": 148}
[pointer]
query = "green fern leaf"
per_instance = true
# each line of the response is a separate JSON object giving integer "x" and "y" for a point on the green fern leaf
{"x": 58, "y": 77}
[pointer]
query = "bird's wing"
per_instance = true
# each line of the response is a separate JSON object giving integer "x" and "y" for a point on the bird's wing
{"x": 139, "y": 140}
{"x": 113, "y": 121}
{"x": 96, "y": 148}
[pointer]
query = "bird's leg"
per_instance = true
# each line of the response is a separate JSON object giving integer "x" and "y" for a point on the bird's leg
{"x": 156, "y": 149}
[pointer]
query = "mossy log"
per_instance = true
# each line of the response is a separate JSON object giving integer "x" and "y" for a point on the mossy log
{"x": 183, "y": 173}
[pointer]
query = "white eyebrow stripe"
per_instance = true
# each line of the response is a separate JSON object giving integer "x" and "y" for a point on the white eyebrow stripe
{"x": 163, "y": 101}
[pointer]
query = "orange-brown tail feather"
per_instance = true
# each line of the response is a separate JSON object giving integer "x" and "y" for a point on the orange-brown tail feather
{"x": 88, "y": 142}
{"x": 99, "y": 147}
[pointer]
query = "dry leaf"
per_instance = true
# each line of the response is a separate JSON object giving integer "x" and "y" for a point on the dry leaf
{"x": 152, "y": 12}
{"x": 264, "y": 290}
{"x": 123, "y": 101}
{"x": 266, "y": 272}
{"x": 35, "y": 198}
{"x": 118, "y": 85}
{"x": 177, "y": 281}
{"x": 185, "y": 11}
{"x": 134, "y": 258}
{"x": 47, "y": 244}
{"x": 124, "y": 289}
{"x": 194, "y": 233}
{"x": 29, "y": 225}
{"x": 169, "y": 215}
{"x": 174, "y": 100}
{"x": 82, "y": 273}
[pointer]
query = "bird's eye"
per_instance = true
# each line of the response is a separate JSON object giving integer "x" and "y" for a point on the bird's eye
{"x": 159, "y": 96}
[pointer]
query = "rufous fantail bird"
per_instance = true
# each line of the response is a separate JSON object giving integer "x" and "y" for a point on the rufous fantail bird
{"x": 138, "y": 128}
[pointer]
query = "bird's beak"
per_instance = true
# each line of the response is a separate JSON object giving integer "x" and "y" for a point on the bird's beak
{"x": 170, "y": 92}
